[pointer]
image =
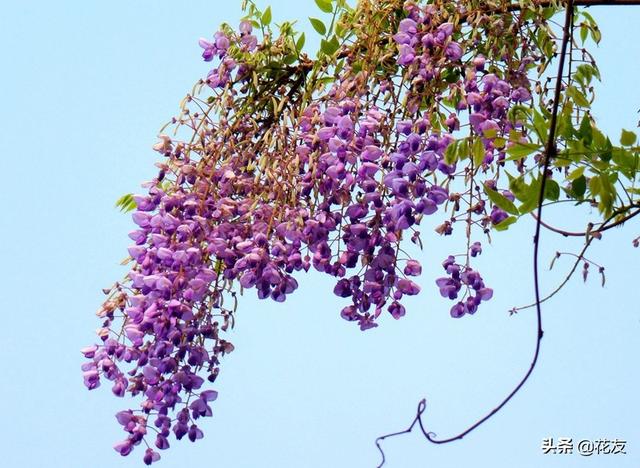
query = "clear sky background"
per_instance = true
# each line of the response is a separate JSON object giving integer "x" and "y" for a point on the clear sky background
{"x": 84, "y": 89}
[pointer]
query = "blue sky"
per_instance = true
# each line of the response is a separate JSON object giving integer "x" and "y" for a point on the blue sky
{"x": 84, "y": 90}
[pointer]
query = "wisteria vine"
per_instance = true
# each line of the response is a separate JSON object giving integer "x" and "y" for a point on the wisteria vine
{"x": 279, "y": 163}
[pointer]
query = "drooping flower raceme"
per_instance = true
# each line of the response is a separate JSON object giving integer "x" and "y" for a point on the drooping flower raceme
{"x": 291, "y": 165}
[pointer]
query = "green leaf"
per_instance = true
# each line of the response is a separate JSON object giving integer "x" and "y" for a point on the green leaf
{"x": 577, "y": 96}
{"x": 266, "y": 17}
{"x": 627, "y": 138}
{"x": 551, "y": 190}
{"x": 464, "y": 149}
{"x": 540, "y": 124}
{"x": 290, "y": 59}
{"x": 607, "y": 194}
{"x": 500, "y": 142}
{"x": 579, "y": 187}
{"x": 519, "y": 188}
{"x": 600, "y": 141}
{"x": 325, "y": 5}
{"x": 451, "y": 153}
{"x": 505, "y": 223}
{"x": 489, "y": 132}
{"x": 451, "y": 75}
{"x": 547, "y": 13}
{"x": 335, "y": 42}
{"x": 565, "y": 123}
{"x": 626, "y": 161}
{"x": 594, "y": 185}
{"x": 318, "y": 26}
{"x": 564, "y": 159}
{"x": 501, "y": 201}
{"x": 521, "y": 150}
{"x": 588, "y": 17}
{"x": 576, "y": 173}
{"x": 576, "y": 152}
{"x": 218, "y": 266}
{"x": 529, "y": 197}
{"x": 586, "y": 132}
{"x": 585, "y": 73}
{"x": 478, "y": 152}
{"x": 300, "y": 42}
{"x": 326, "y": 80}
{"x": 584, "y": 31}
{"x": 126, "y": 203}
{"x": 329, "y": 47}
{"x": 528, "y": 206}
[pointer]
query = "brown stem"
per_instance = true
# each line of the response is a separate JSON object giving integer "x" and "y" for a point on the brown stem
{"x": 549, "y": 154}
{"x": 591, "y": 232}
{"x": 598, "y": 2}
{"x": 585, "y": 3}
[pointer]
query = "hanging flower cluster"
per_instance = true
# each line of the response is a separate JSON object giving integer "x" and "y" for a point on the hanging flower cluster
{"x": 291, "y": 164}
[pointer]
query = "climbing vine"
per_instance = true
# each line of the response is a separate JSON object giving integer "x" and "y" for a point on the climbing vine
{"x": 472, "y": 113}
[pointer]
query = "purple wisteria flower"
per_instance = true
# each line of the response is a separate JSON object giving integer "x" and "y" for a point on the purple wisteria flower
{"x": 333, "y": 181}
{"x": 475, "y": 249}
{"x": 460, "y": 277}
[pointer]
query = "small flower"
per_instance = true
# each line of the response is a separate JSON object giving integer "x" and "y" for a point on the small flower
{"x": 413, "y": 268}
{"x": 349, "y": 313}
{"x": 408, "y": 26}
{"x": 452, "y": 122}
{"x": 124, "y": 448}
{"x": 402, "y": 38}
{"x": 209, "y": 49}
{"x": 91, "y": 379}
{"x": 195, "y": 433}
{"x": 161, "y": 442}
{"x": 475, "y": 249}
{"x": 222, "y": 42}
{"x": 520, "y": 95}
{"x": 150, "y": 456}
{"x": 397, "y": 310}
{"x": 453, "y": 51}
{"x": 458, "y": 310}
{"x": 209, "y": 395}
{"x": 509, "y": 195}
{"x": 485, "y": 293}
{"x": 164, "y": 146}
{"x": 342, "y": 288}
{"x": 478, "y": 62}
{"x": 498, "y": 215}
{"x": 407, "y": 55}
{"x": 408, "y": 287}
{"x": 246, "y": 27}
{"x": 89, "y": 351}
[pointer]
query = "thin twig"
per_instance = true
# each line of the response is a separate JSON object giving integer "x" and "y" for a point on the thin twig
{"x": 591, "y": 232}
{"x": 549, "y": 154}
